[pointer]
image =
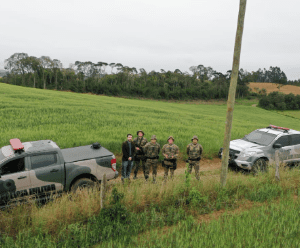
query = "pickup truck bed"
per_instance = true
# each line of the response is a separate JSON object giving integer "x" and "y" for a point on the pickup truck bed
{"x": 84, "y": 153}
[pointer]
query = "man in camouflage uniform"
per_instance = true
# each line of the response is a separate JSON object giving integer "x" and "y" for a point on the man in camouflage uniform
{"x": 140, "y": 143}
{"x": 152, "y": 150}
{"x": 170, "y": 152}
{"x": 194, "y": 151}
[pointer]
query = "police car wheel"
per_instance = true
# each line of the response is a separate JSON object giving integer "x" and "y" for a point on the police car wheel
{"x": 82, "y": 183}
{"x": 260, "y": 165}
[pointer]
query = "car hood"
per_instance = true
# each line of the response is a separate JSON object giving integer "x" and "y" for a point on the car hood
{"x": 241, "y": 145}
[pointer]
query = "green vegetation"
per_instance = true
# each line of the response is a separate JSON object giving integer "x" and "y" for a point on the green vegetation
{"x": 280, "y": 101}
{"x": 140, "y": 214}
{"x": 294, "y": 113}
{"x": 43, "y": 72}
{"x": 274, "y": 225}
{"x": 72, "y": 119}
{"x": 75, "y": 220}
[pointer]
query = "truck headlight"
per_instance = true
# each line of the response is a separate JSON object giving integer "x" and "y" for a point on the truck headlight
{"x": 246, "y": 155}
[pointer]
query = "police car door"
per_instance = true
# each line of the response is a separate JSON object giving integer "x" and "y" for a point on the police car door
{"x": 46, "y": 173}
{"x": 15, "y": 179}
{"x": 286, "y": 147}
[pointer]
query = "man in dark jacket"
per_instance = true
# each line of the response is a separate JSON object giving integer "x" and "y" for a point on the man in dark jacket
{"x": 128, "y": 150}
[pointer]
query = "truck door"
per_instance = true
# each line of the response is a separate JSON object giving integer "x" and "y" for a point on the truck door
{"x": 46, "y": 173}
{"x": 15, "y": 180}
{"x": 295, "y": 151}
{"x": 286, "y": 147}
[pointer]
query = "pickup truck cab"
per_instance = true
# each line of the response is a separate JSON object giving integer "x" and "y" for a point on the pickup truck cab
{"x": 257, "y": 149}
{"x": 41, "y": 168}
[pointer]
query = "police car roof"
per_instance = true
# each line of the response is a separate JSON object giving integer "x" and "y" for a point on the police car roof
{"x": 279, "y": 131}
{"x": 40, "y": 145}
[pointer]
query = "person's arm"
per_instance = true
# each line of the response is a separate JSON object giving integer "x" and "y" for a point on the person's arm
{"x": 135, "y": 141}
{"x": 145, "y": 149}
{"x": 163, "y": 151}
{"x": 124, "y": 151}
{"x": 188, "y": 150}
{"x": 133, "y": 149}
{"x": 176, "y": 152}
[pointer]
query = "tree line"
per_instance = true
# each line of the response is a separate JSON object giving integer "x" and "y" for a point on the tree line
{"x": 280, "y": 101}
{"x": 119, "y": 80}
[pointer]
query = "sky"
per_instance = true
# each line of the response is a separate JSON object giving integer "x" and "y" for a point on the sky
{"x": 154, "y": 35}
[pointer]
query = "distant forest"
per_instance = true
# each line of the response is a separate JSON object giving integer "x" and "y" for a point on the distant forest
{"x": 119, "y": 80}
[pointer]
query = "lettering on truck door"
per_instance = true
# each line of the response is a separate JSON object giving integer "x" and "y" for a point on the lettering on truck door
{"x": 46, "y": 173}
{"x": 15, "y": 179}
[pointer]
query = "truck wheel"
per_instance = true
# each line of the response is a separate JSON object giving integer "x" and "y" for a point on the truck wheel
{"x": 82, "y": 183}
{"x": 260, "y": 165}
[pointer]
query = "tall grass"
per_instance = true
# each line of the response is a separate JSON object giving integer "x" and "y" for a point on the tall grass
{"x": 143, "y": 206}
{"x": 72, "y": 119}
{"x": 274, "y": 225}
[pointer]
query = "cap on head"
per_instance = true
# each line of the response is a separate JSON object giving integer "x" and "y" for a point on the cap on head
{"x": 137, "y": 133}
{"x": 195, "y": 137}
{"x": 153, "y": 137}
{"x": 170, "y": 137}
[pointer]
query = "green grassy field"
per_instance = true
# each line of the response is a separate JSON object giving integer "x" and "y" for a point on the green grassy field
{"x": 290, "y": 113}
{"x": 274, "y": 225}
{"x": 72, "y": 119}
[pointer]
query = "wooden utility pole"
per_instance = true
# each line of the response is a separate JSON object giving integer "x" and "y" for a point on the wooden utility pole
{"x": 232, "y": 90}
{"x": 102, "y": 191}
{"x": 277, "y": 176}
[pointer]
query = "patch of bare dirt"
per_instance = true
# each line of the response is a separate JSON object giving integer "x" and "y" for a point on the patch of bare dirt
{"x": 270, "y": 87}
{"x": 205, "y": 165}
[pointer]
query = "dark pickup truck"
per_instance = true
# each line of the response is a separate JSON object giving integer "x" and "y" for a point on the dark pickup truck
{"x": 41, "y": 168}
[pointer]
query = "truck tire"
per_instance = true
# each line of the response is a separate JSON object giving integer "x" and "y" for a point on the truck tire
{"x": 260, "y": 165}
{"x": 82, "y": 183}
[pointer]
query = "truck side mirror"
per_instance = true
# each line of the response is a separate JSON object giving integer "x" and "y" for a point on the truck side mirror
{"x": 277, "y": 146}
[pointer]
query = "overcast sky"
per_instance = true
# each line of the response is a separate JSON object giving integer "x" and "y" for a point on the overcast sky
{"x": 154, "y": 35}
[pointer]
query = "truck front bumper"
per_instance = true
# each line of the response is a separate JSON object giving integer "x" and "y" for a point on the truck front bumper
{"x": 243, "y": 164}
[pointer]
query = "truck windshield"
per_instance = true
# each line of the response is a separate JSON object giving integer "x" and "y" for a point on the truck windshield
{"x": 261, "y": 138}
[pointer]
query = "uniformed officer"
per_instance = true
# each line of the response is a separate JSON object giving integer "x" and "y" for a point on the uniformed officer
{"x": 194, "y": 151}
{"x": 139, "y": 158}
{"x": 152, "y": 150}
{"x": 170, "y": 152}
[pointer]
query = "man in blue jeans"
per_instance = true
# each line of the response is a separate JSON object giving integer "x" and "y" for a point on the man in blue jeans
{"x": 128, "y": 150}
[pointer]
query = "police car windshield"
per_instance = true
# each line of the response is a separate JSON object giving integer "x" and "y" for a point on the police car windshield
{"x": 261, "y": 138}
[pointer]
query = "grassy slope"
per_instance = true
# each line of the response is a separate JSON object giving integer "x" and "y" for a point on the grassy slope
{"x": 274, "y": 225}
{"x": 72, "y": 119}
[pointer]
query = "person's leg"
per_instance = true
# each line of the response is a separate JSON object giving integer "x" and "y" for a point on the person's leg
{"x": 172, "y": 173}
{"x": 129, "y": 167}
{"x": 124, "y": 169}
{"x": 136, "y": 167}
{"x": 143, "y": 165}
{"x": 147, "y": 169}
{"x": 154, "y": 170}
{"x": 166, "y": 171}
{"x": 197, "y": 170}
{"x": 190, "y": 167}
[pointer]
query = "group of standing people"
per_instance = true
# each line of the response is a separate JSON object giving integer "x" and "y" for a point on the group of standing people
{"x": 139, "y": 153}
